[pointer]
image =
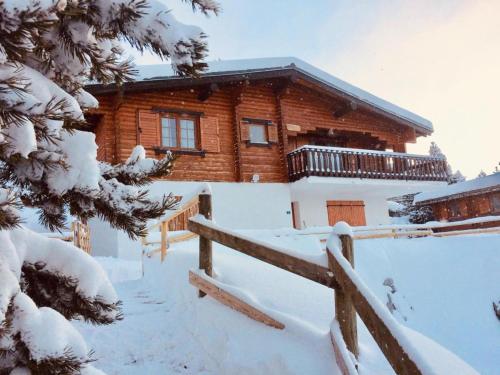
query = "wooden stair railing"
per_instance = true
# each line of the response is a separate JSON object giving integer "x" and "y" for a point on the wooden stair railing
{"x": 351, "y": 295}
{"x": 176, "y": 222}
{"x": 79, "y": 236}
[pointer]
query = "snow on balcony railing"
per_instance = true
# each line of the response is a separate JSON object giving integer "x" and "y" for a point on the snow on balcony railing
{"x": 358, "y": 163}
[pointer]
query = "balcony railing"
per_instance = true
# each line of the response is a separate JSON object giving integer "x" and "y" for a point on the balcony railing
{"x": 346, "y": 162}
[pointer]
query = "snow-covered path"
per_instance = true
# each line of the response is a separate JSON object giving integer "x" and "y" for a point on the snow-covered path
{"x": 168, "y": 330}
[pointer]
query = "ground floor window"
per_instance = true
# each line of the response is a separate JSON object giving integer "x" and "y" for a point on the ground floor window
{"x": 495, "y": 202}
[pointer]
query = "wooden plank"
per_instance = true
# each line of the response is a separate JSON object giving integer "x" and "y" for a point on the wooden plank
{"x": 182, "y": 237}
{"x": 385, "y": 339}
{"x": 393, "y": 234}
{"x": 468, "y": 231}
{"x": 311, "y": 271}
{"x": 232, "y": 301}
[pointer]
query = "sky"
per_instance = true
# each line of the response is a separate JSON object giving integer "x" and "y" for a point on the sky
{"x": 439, "y": 59}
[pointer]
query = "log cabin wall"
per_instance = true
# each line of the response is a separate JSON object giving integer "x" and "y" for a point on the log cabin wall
{"x": 465, "y": 207}
{"x": 105, "y": 131}
{"x": 311, "y": 112}
{"x": 235, "y": 159}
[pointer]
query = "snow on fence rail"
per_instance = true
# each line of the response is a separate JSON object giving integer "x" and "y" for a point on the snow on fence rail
{"x": 351, "y": 295}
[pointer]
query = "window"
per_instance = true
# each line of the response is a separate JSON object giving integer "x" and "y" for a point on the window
{"x": 454, "y": 207}
{"x": 257, "y": 133}
{"x": 179, "y": 132}
{"x": 495, "y": 202}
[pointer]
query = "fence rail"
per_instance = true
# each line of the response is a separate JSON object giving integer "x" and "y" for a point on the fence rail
{"x": 351, "y": 297}
{"x": 176, "y": 222}
{"x": 338, "y": 162}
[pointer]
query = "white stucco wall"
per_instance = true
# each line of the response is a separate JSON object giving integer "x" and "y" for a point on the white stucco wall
{"x": 313, "y": 210}
{"x": 313, "y": 193}
{"x": 240, "y": 205}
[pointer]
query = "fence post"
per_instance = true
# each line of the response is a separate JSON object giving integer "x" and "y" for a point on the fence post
{"x": 344, "y": 308}
{"x": 163, "y": 246}
{"x": 205, "y": 244}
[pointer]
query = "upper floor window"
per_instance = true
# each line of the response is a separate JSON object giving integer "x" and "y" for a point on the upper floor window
{"x": 179, "y": 131}
{"x": 495, "y": 202}
{"x": 258, "y": 133}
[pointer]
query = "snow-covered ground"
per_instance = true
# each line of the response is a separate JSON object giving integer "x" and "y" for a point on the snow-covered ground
{"x": 444, "y": 288}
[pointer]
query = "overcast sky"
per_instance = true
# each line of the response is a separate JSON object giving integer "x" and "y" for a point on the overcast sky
{"x": 440, "y": 59}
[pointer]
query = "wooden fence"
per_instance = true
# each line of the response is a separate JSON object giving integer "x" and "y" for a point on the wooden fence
{"x": 178, "y": 221}
{"x": 79, "y": 235}
{"x": 351, "y": 297}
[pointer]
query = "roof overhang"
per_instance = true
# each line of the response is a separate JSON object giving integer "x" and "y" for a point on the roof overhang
{"x": 470, "y": 193}
{"x": 290, "y": 72}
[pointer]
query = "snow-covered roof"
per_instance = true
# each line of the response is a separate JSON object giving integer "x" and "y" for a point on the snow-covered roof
{"x": 217, "y": 68}
{"x": 472, "y": 186}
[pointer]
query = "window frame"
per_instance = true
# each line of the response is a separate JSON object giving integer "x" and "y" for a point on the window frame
{"x": 492, "y": 196}
{"x": 178, "y": 117}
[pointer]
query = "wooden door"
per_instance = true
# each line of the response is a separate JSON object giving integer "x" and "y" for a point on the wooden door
{"x": 352, "y": 212}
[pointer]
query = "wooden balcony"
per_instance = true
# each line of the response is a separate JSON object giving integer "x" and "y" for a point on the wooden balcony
{"x": 356, "y": 163}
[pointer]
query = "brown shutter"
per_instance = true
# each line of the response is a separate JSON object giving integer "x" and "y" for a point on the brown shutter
{"x": 148, "y": 129}
{"x": 272, "y": 133}
{"x": 244, "y": 131}
{"x": 209, "y": 133}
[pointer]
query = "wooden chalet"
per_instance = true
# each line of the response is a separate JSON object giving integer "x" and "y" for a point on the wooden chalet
{"x": 276, "y": 120}
{"x": 464, "y": 200}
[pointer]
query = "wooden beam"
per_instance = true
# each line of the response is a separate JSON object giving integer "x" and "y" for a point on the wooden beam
{"x": 208, "y": 91}
{"x": 347, "y": 108}
{"x": 232, "y": 301}
{"x": 311, "y": 271}
{"x": 236, "y": 102}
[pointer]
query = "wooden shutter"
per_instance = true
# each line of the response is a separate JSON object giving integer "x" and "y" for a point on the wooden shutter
{"x": 148, "y": 127}
{"x": 272, "y": 133}
{"x": 209, "y": 133}
{"x": 352, "y": 212}
{"x": 244, "y": 131}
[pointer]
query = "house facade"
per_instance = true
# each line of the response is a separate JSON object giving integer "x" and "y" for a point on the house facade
{"x": 281, "y": 141}
{"x": 464, "y": 200}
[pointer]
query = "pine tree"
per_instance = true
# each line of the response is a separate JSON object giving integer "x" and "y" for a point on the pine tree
{"x": 435, "y": 151}
{"x": 456, "y": 177}
{"x": 481, "y": 174}
{"x": 49, "y": 49}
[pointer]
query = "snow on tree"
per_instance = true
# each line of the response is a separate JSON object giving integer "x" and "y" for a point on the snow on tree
{"x": 435, "y": 151}
{"x": 456, "y": 177}
{"x": 49, "y": 49}
{"x": 453, "y": 177}
{"x": 481, "y": 174}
